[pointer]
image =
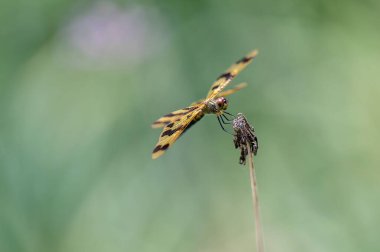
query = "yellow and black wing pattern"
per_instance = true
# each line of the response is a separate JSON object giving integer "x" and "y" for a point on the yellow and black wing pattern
{"x": 174, "y": 116}
{"x": 225, "y": 78}
{"x": 175, "y": 124}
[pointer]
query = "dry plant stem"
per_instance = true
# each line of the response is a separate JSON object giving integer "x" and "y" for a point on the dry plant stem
{"x": 255, "y": 201}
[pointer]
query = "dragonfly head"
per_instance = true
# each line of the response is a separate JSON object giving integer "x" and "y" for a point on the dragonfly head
{"x": 222, "y": 103}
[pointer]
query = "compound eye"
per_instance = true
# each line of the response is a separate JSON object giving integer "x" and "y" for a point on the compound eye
{"x": 223, "y": 103}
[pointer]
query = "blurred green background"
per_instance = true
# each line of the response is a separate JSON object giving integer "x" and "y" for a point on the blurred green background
{"x": 81, "y": 82}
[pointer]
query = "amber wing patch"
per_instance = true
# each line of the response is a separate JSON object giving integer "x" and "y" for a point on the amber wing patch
{"x": 173, "y": 130}
{"x": 225, "y": 78}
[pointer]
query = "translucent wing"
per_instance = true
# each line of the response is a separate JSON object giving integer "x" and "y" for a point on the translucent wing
{"x": 232, "y": 90}
{"x": 175, "y": 129}
{"x": 222, "y": 94}
{"x": 225, "y": 78}
{"x": 173, "y": 116}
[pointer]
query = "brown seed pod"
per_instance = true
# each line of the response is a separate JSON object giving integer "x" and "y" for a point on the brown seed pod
{"x": 244, "y": 137}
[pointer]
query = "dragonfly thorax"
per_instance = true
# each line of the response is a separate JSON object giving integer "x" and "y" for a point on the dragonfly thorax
{"x": 216, "y": 106}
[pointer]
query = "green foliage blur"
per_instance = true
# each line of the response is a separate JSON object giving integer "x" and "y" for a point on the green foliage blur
{"x": 81, "y": 82}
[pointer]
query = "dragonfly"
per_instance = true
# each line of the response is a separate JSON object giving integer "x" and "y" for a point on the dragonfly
{"x": 177, "y": 122}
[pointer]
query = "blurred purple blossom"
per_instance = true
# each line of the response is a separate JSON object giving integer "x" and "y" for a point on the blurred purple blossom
{"x": 111, "y": 34}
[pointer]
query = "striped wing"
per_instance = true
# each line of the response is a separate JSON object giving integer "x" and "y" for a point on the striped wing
{"x": 225, "y": 78}
{"x": 173, "y": 130}
{"x": 173, "y": 116}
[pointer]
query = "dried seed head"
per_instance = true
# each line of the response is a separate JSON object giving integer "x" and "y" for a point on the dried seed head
{"x": 244, "y": 137}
